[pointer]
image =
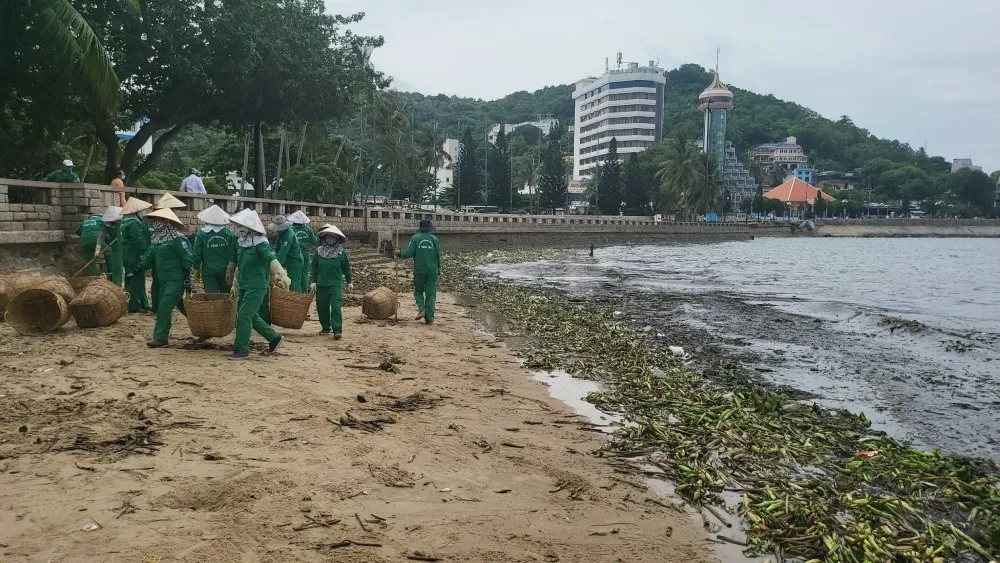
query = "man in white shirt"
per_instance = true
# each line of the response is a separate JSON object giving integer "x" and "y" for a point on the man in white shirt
{"x": 193, "y": 184}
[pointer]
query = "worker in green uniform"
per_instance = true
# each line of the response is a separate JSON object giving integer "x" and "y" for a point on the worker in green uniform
{"x": 66, "y": 174}
{"x": 89, "y": 232}
{"x": 255, "y": 260}
{"x": 288, "y": 251}
{"x": 307, "y": 240}
{"x": 171, "y": 254}
{"x": 330, "y": 268}
{"x": 214, "y": 250}
{"x": 425, "y": 249}
{"x": 134, "y": 240}
{"x": 112, "y": 248}
{"x": 167, "y": 200}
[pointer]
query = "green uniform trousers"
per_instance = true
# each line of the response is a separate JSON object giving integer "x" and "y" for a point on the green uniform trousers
{"x": 113, "y": 265}
{"x": 425, "y": 287}
{"x": 154, "y": 291}
{"x": 136, "y": 288}
{"x": 248, "y": 318}
{"x": 304, "y": 273}
{"x": 329, "y": 300}
{"x": 170, "y": 297}
{"x": 297, "y": 273}
{"x": 265, "y": 306}
{"x": 215, "y": 282}
{"x": 87, "y": 252}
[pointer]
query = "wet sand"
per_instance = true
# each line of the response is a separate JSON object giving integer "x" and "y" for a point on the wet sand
{"x": 181, "y": 455}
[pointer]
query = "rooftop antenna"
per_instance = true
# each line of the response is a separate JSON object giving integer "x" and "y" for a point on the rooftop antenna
{"x": 606, "y": 67}
{"x": 619, "y": 60}
{"x": 717, "y": 50}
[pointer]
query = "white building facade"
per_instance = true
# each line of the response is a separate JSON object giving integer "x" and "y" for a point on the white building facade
{"x": 446, "y": 168}
{"x": 625, "y": 104}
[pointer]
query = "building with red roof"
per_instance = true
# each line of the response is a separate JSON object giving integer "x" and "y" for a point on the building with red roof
{"x": 797, "y": 195}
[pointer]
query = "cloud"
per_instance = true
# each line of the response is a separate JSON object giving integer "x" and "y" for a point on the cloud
{"x": 919, "y": 70}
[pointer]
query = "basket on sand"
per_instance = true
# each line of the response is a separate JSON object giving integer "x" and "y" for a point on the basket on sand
{"x": 37, "y": 311}
{"x": 58, "y": 284}
{"x": 6, "y": 292}
{"x": 23, "y": 280}
{"x": 289, "y": 308}
{"x": 99, "y": 304}
{"x": 379, "y": 303}
{"x": 210, "y": 315}
{"x": 81, "y": 282}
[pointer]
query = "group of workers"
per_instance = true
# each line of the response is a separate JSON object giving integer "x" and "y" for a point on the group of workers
{"x": 237, "y": 249}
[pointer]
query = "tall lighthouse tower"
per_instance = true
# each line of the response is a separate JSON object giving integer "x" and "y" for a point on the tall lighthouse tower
{"x": 716, "y": 101}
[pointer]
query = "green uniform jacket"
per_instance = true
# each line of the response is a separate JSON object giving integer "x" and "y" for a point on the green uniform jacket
{"x": 109, "y": 238}
{"x": 134, "y": 241}
{"x": 63, "y": 177}
{"x": 254, "y": 266}
{"x": 213, "y": 251}
{"x": 90, "y": 230}
{"x": 306, "y": 238}
{"x": 170, "y": 259}
{"x": 287, "y": 249}
{"x": 330, "y": 272}
{"x": 425, "y": 249}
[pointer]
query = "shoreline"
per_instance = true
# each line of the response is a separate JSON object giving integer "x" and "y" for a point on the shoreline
{"x": 180, "y": 455}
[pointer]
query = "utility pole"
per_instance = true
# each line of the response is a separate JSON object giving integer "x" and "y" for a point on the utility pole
{"x": 486, "y": 167}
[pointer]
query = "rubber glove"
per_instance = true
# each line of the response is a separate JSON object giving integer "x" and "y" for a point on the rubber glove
{"x": 196, "y": 274}
{"x": 97, "y": 249}
{"x": 350, "y": 288}
{"x": 188, "y": 287}
{"x": 230, "y": 272}
{"x": 279, "y": 274}
{"x": 312, "y": 287}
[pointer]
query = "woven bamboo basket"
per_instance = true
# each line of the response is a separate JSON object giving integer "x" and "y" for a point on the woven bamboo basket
{"x": 289, "y": 308}
{"x": 81, "y": 282}
{"x": 210, "y": 315}
{"x": 58, "y": 284}
{"x": 37, "y": 311}
{"x": 6, "y": 292}
{"x": 99, "y": 304}
{"x": 379, "y": 303}
{"x": 24, "y": 280}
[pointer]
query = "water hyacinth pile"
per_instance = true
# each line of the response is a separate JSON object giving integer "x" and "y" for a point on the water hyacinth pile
{"x": 809, "y": 483}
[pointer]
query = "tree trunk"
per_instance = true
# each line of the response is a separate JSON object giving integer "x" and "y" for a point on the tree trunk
{"x": 246, "y": 164}
{"x": 302, "y": 143}
{"x": 281, "y": 154}
{"x": 86, "y": 163}
{"x": 159, "y": 147}
{"x": 259, "y": 181}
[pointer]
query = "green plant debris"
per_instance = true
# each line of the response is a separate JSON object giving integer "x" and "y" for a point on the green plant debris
{"x": 896, "y": 323}
{"x": 814, "y": 483}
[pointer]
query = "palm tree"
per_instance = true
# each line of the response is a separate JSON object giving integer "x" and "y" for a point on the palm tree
{"x": 68, "y": 41}
{"x": 430, "y": 148}
{"x": 678, "y": 173}
{"x": 526, "y": 174}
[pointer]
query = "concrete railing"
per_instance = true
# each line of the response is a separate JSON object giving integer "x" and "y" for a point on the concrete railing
{"x": 63, "y": 206}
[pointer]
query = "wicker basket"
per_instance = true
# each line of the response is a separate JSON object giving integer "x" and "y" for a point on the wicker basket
{"x": 6, "y": 292}
{"x": 379, "y": 303}
{"x": 99, "y": 304}
{"x": 289, "y": 308}
{"x": 81, "y": 282}
{"x": 24, "y": 280}
{"x": 37, "y": 311}
{"x": 58, "y": 284}
{"x": 210, "y": 315}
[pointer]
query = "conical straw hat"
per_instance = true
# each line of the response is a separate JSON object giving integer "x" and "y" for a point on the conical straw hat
{"x": 165, "y": 213}
{"x": 111, "y": 214}
{"x": 168, "y": 201}
{"x": 249, "y": 219}
{"x": 135, "y": 205}
{"x": 299, "y": 218}
{"x": 331, "y": 230}
{"x": 325, "y": 226}
{"x": 279, "y": 224}
{"x": 213, "y": 216}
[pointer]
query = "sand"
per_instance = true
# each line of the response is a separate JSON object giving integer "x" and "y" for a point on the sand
{"x": 181, "y": 455}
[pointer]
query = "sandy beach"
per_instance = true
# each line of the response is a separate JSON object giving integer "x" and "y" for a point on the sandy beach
{"x": 113, "y": 452}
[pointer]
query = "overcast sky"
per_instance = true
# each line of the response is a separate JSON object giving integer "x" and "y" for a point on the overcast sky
{"x": 915, "y": 70}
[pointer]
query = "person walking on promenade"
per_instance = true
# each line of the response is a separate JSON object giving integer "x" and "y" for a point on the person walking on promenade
{"x": 89, "y": 232}
{"x": 112, "y": 247}
{"x": 307, "y": 240}
{"x": 64, "y": 174}
{"x": 171, "y": 255}
{"x": 192, "y": 183}
{"x": 425, "y": 249}
{"x": 134, "y": 239}
{"x": 330, "y": 269}
{"x": 289, "y": 254}
{"x": 214, "y": 250}
{"x": 254, "y": 260}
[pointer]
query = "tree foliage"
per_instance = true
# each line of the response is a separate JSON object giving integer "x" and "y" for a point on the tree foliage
{"x": 322, "y": 183}
{"x": 467, "y": 185}
{"x": 553, "y": 184}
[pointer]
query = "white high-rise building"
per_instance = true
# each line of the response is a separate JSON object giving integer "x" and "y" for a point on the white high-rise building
{"x": 625, "y": 104}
